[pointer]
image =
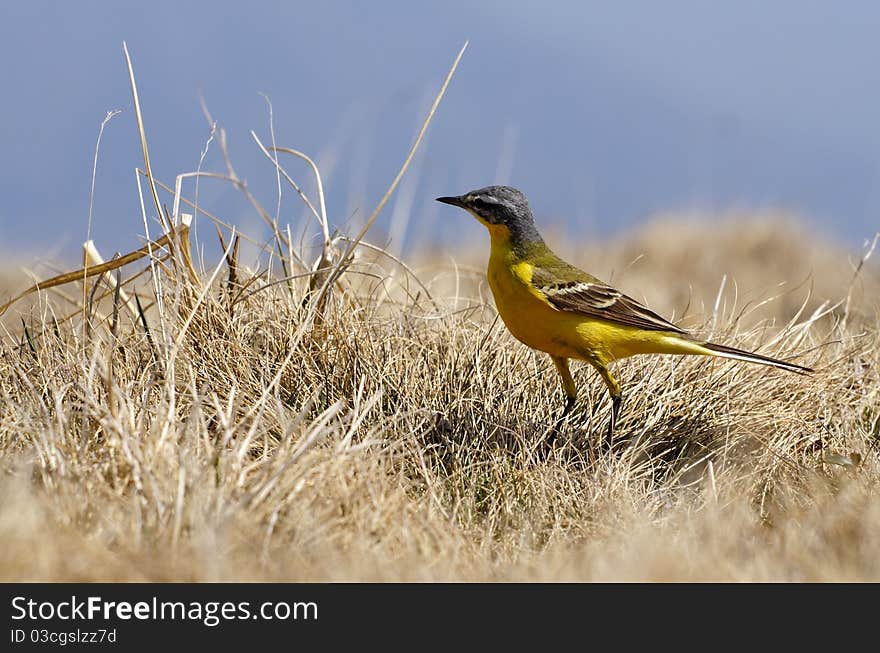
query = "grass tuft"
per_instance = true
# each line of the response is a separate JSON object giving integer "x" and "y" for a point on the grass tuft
{"x": 225, "y": 428}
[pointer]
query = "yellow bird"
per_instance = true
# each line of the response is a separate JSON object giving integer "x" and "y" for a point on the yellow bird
{"x": 552, "y": 306}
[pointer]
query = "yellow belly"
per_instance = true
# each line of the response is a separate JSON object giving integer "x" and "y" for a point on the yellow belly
{"x": 533, "y": 321}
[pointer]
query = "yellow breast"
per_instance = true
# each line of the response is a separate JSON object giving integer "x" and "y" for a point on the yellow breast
{"x": 535, "y": 322}
{"x": 525, "y": 312}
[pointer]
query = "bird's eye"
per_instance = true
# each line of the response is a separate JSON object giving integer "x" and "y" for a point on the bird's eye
{"x": 480, "y": 203}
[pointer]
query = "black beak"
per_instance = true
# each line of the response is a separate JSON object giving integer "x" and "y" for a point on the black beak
{"x": 454, "y": 201}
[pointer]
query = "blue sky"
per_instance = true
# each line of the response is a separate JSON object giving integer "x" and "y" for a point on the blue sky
{"x": 603, "y": 113}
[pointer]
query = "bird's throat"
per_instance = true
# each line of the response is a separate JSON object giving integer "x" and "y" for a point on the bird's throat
{"x": 516, "y": 243}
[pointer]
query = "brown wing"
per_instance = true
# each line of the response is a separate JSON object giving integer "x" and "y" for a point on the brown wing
{"x": 589, "y": 296}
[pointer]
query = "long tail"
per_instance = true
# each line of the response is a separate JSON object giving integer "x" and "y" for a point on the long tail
{"x": 741, "y": 355}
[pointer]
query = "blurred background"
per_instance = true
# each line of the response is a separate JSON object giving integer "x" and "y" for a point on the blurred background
{"x": 603, "y": 113}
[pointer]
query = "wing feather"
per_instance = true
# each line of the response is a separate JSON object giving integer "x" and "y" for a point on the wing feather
{"x": 591, "y": 297}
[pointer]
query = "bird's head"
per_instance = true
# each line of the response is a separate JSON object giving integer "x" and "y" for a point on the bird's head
{"x": 503, "y": 210}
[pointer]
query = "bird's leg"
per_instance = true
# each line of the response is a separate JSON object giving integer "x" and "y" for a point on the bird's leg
{"x": 567, "y": 385}
{"x": 615, "y": 392}
{"x": 570, "y": 400}
{"x": 569, "y": 404}
{"x": 616, "y": 401}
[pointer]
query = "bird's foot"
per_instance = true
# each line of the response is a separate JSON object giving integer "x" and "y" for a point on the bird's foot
{"x": 612, "y": 423}
{"x": 551, "y": 435}
{"x": 569, "y": 406}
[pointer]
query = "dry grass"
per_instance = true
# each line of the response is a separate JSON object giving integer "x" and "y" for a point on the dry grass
{"x": 395, "y": 440}
{"x": 356, "y": 420}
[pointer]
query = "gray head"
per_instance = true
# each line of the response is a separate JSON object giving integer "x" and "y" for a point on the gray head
{"x": 503, "y": 210}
